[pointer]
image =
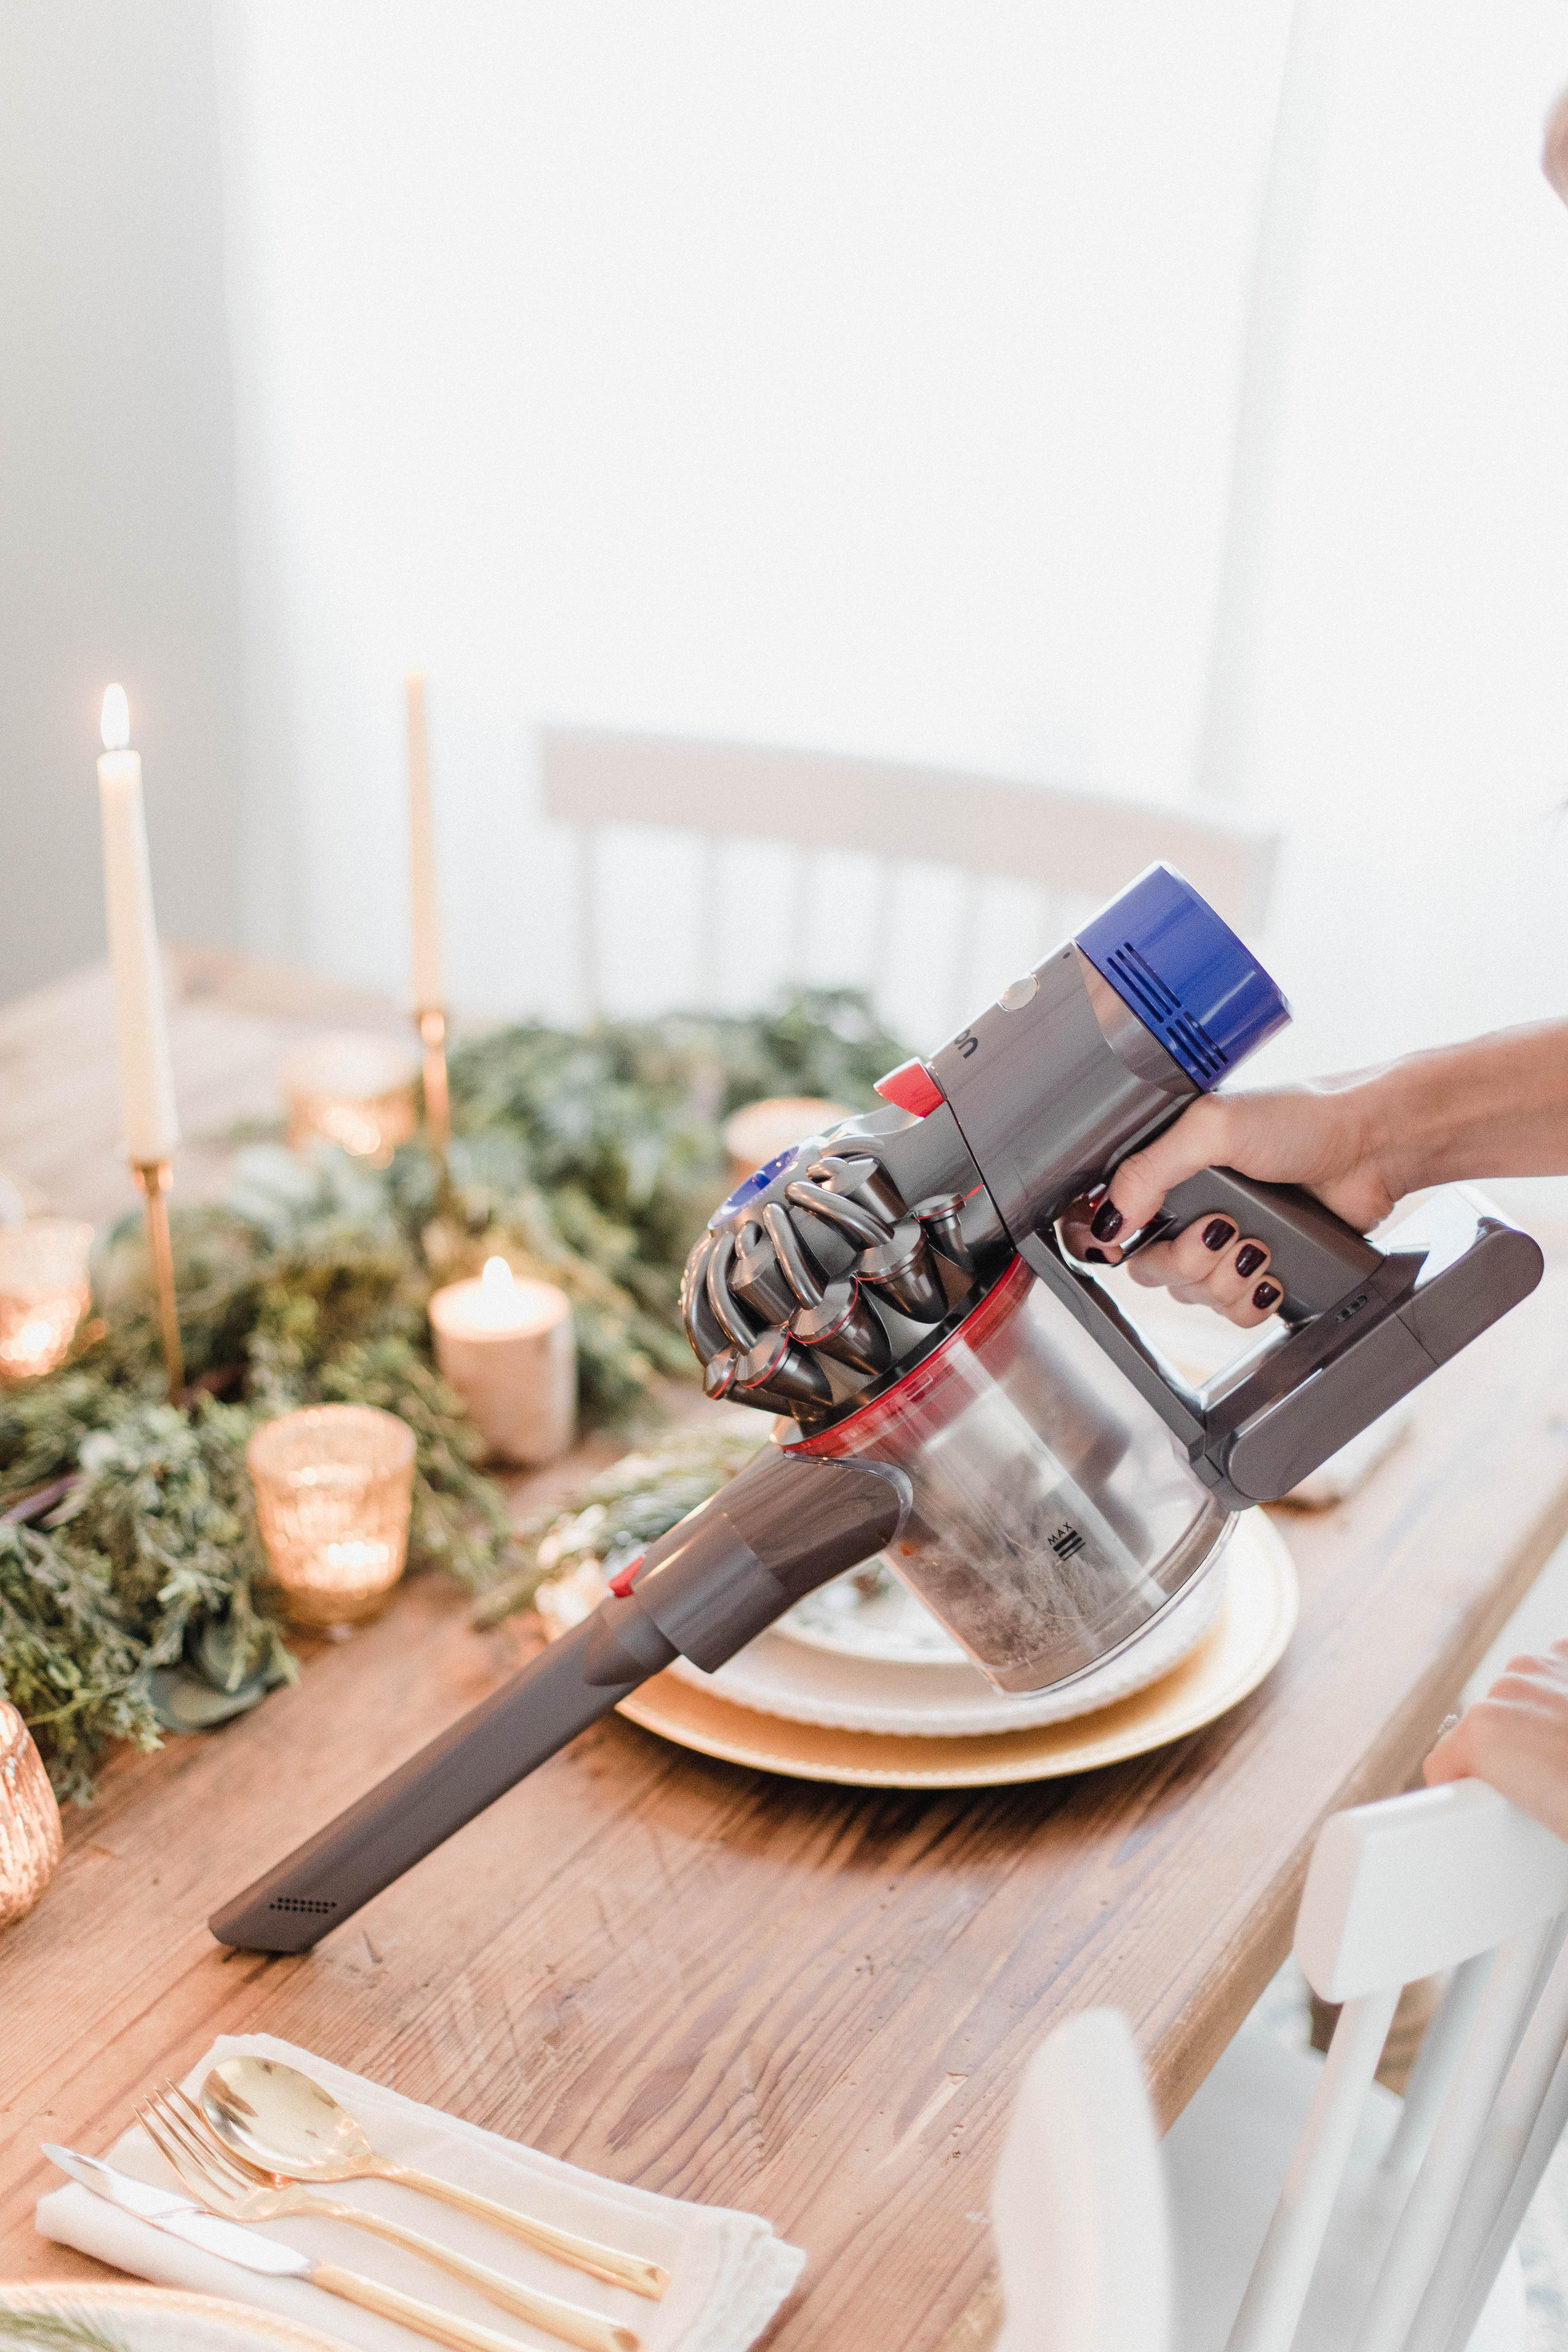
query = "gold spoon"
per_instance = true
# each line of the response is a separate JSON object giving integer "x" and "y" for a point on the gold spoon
{"x": 279, "y": 2119}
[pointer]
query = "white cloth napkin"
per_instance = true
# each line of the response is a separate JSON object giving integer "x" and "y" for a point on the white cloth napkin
{"x": 728, "y": 2271}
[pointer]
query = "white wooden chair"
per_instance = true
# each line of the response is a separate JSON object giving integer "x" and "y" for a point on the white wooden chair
{"x": 1073, "y": 845}
{"x": 1310, "y": 2208}
{"x": 1079, "y": 2206}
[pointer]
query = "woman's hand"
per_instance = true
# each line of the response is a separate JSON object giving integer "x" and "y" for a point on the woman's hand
{"x": 1516, "y": 1738}
{"x": 1496, "y": 1107}
{"x": 1326, "y": 1137}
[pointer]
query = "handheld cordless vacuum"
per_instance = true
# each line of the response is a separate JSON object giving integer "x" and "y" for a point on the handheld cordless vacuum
{"x": 966, "y": 1400}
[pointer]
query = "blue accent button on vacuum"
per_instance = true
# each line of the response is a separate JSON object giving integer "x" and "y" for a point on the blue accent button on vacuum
{"x": 1185, "y": 974}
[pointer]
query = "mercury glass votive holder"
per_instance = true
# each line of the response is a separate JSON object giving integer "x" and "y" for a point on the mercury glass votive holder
{"x": 44, "y": 1293}
{"x": 333, "y": 1485}
{"x": 355, "y": 1089}
{"x": 31, "y": 1841}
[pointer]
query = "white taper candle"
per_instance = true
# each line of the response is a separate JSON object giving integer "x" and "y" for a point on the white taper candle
{"x": 146, "y": 1078}
{"x": 427, "y": 991}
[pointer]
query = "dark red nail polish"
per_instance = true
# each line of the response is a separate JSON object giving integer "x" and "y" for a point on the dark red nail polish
{"x": 1217, "y": 1233}
{"x": 1094, "y": 1257}
{"x": 1107, "y": 1222}
{"x": 1249, "y": 1259}
{"x": 1266, "y": 1295}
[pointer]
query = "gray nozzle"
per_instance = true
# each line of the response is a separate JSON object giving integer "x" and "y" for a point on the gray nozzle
{"x": 557, "y": 1695}
{"x": 784, "y": 1526}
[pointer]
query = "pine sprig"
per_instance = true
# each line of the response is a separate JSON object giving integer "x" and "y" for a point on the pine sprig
{"x": 70, "y": 1660}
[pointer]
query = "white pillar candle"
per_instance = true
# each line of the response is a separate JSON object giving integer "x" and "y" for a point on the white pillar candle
{"x": 146, "y": 1078}
{"x": 507, "y": 1347}
{"x": 427, "y": 991}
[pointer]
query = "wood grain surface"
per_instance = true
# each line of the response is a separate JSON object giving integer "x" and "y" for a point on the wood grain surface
{"x": 811, "y": 2002}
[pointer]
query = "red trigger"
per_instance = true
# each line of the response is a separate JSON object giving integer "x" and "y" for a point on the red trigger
{"x": 912, "y": 1088}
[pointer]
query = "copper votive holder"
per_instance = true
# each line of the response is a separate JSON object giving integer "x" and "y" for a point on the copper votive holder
{"x": 355, "y": 1089}
{"x": 334, "y": 1487}
{"x": 44, "y": 1293}
{"x": 31, "y": 1841}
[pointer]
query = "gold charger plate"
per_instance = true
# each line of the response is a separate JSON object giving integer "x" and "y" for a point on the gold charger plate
{"x": 1247, "y": 1637}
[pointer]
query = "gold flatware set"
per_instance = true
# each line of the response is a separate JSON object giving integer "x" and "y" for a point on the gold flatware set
{"x": 252, "y": 2149}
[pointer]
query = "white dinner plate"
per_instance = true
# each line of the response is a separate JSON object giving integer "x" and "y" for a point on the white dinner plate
{"x": 869, "y": 1613}
{"x": 947, "y": 1699}
{"x": 1242, "y": 1646}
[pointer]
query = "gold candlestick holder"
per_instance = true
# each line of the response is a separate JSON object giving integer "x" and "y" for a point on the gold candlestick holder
{"x": 154, "y": 1177}
{"x": 431, "y": 1024}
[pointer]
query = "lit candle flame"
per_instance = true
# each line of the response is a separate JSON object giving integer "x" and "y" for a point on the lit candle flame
{"x": 495, "y": 1282}
{"x": 115, "y": 723}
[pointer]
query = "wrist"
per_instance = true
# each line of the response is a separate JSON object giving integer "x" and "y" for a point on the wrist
{"x": 1402, "y": 1114}
{"x": 1488, "y": 1107}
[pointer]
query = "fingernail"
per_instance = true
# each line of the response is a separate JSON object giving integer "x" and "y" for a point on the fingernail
{"x": 1265, "y": 1293}
{"x": 1248, "y": 1259}
{"x": 1094, "y": 1257}
{"x": 1217, "y": 1233}
{"x": 1107, "y": 1222}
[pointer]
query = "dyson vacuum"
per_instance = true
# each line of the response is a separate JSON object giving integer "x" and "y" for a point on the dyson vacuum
{"x": 965, "y": 1398}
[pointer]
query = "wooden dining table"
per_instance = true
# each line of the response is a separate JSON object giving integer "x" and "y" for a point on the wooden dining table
{"x": 808, "y": 2000}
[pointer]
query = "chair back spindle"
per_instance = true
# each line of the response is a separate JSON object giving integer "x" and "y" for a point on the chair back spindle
{"x": 1078, "y": 2205}
{"x": 1392, "y": 2230}
{"x": 1451, "y": 1878}
{"x": 1078, "y": 847}
{"x": 1431, "y": 2211}
{"x": 1495, "y": 2158}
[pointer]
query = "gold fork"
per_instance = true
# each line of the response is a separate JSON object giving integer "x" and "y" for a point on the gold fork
{"x": 178, "y": 2131}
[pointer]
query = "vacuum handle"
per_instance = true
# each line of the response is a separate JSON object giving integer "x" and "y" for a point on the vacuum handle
{"x": 1317, "y": 1259}
{"x": 1369, "y": 1326}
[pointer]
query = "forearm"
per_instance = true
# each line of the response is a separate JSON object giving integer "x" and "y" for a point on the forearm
{"x": 1495, "y": 1106}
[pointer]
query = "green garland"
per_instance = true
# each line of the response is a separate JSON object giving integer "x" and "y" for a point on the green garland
{"x": 140, "y": 1603}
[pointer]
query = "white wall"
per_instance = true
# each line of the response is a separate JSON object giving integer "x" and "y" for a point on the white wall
{"x": 117, "y": 521}
{"x": 850, "y": 376}
{"x": 855, "y": 376}
{"x": 1408, "y": 718}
